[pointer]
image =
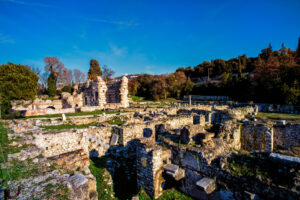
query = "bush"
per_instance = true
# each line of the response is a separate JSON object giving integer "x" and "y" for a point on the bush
{"x": 68, "y": 89}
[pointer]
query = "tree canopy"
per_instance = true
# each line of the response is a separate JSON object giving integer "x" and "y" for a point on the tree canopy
{"x": 95, "y": 70}
{"x": 17, "y": 82}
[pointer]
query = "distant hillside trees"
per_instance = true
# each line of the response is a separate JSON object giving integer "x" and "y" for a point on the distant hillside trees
{"x": 16, "y": 82}
{"x": 95, "y": 70}
{"x": 159, "y": 87}
{"x": 271, "y": 77}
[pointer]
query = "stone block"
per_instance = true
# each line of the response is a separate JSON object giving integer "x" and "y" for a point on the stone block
{"x": 77, "y": 180}
{"x": 208, "y": 185}
{"x": 114, "y": 139}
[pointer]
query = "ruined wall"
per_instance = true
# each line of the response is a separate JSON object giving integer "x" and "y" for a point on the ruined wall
{"x": 286, "y": 136}
{"x": 59, "y": 143}
{"x": 147, "y": 129}
{"x": 150, "y": 161}
{"x": 257, "y": 137}
{"x": 37, "y": 104}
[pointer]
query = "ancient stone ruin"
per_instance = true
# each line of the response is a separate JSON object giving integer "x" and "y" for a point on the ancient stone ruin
{"x": 204, "y": 151}
{"x": 88, "y": 96}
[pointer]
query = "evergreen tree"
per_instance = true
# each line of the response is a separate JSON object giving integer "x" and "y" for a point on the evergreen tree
{"x": 95, "y": 70}
{"x": 51, "y": 84}
{"x": 16, "y": 82}
{"x": 298, "y": 52}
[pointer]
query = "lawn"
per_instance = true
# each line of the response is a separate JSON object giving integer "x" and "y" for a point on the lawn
{"x": 278, "y": 116}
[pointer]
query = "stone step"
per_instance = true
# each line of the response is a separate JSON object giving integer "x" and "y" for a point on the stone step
{"x": 206, "y": 184}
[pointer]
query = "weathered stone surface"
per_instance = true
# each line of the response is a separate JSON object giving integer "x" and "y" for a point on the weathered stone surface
{"x": 185, "y": 135}
{"x": 114, "y": 139}
{"x": 207, "y": 184}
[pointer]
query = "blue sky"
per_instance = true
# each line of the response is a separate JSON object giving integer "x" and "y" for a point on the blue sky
{"x": 143, "y": 36}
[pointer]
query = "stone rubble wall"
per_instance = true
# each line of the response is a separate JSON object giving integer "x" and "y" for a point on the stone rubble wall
{"x": 48, "y": 111}
{"x": 133, "y": 131}
{"x": 37, "y": 104}
{"x": 286, "y": 136}
{"x": 257, "y": 137}
{"x": 150, "y": 162}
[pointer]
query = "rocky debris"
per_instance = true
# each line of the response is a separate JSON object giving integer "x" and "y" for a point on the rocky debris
{"x": 207, "y": 184}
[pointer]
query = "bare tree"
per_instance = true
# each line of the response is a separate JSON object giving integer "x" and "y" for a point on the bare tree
{"x": 53, "y": 65}
{"x": 107, "y": 73}
{"x": 43, "y": 78}
{"x": 78, "y": 76}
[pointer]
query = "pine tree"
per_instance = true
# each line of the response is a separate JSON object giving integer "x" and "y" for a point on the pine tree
{"x": 51, "y": 84}
{"x": 95, "y": 70}
{"x": 298, "y": 49}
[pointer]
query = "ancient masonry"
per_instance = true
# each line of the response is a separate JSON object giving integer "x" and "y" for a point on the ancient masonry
{"x": 88, "y": 96}
{"x": 192, "y": 148}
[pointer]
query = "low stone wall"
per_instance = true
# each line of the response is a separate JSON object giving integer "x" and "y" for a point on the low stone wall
{"x": 36, "y": 104}
{"x": 60, "y": 142}
{"x": 257, "y": 137}
{"x": 287, "y": 136}
{"x": 48, "y": 111}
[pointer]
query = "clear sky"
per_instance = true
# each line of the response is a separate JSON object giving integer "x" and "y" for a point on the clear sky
{"x": 143, "y": 36}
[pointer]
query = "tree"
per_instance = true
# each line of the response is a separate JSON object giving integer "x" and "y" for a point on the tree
{"x": 95, "y": 70}
{"x": 57, "y": 68}
{"x": 17, "y": 82}
{"x": 107, "y": 73}
{"x": 298, "y": 52}
{"x": 189, "y": 85}
{"x": 51, "y": 84}
{"x": 78, "y": 76}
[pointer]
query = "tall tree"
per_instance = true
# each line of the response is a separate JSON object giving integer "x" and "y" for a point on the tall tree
{"x": 298, "y": 53}
{"x": 51, "y": 82}
{"x": 95, "y": 70}
{"x": 107, "y": 73}
{"x": 57, "y": 68}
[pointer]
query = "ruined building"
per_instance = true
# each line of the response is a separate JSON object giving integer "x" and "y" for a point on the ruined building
{"x": 87, "y": 96}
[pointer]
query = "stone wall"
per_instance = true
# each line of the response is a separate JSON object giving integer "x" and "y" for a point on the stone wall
{"x": 257, "y": 137}
{"x": 150, "y": 161}
{"x": 286, "y": 136}
{"x": 47, "y": 111}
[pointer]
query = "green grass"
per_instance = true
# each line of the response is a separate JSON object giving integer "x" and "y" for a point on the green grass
{"x": 97, "y": 168}
{"x": 116, "y": 121}
{"x": 15, "y": 168}
{"x": 170, "y": 194}
{"x": 278, "y": 116}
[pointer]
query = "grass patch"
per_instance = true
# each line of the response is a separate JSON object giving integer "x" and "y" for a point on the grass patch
{"x": 278, "y": 116}
{"x": 169, "y": 194}
{"x": 97, "y": 167}
{"x": 116, "y": 121}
